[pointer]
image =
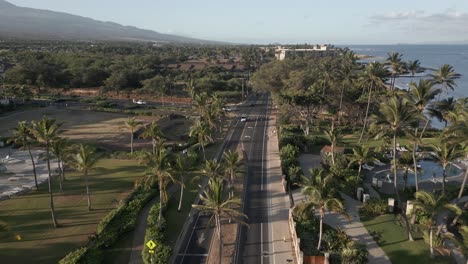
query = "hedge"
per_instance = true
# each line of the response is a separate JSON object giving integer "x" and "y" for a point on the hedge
{"x": 162, "y": 251}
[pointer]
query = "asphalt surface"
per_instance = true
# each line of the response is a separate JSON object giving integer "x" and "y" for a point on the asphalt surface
{"x": 248, "y": 134}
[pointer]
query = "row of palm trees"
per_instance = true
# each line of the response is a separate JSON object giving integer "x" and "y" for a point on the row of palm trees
{"x": 45, "y": 134}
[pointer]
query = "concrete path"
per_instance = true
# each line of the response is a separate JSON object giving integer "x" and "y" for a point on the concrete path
{"x": 280, "y": 237}
{"x": 140, "y": 229}
{"x": 353, "y": 226}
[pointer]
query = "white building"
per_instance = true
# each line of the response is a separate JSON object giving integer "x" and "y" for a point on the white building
{"x": 318, "y": 50}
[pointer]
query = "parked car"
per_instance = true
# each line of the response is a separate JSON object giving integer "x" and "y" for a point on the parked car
{"x": 243, "y": 119}
{"x": 141, "y": 102}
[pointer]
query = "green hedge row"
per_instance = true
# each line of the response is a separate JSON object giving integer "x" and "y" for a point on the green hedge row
{"x": 162, "y": 251}
{"x": 118, "y": 222}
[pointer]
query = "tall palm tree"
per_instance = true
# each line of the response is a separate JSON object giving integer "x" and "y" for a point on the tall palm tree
{"x": 432, "y": 205}
{"x": 191, "y": 89}
{"x": 232, "y": 163}
{"x": 443, "y": 110}
{"x": 397, "y": 66}
{"x": 182, "y": 165}
{"x": 445, "y": 153}
{"x": 347, "y": 77}
{"x": 84, "y": 161}
{"x": 45, "y": 132}
{"x": 373, "y": 77}
{"x": 22, "y": 136}
{"x": 159, "y": 170}
{"x": 413, "y": 67}
{"x": 334, "y": 136}
{"x": 216, "y": 204}
{"x": 422, "y": 95}
{"x": 405, "y": 161}
{"x": 132, "y": 124}
{"x": 202, "y": 132}
{"x": 397, "y": 114}
{"x": 361, "y": 155}
{"x": 321, "y": 196}
{"x": 58, "y": 148}
{"x": 445, "y": 76}
{"x": 212, "y": 169}
{"x": 153, "y": 132}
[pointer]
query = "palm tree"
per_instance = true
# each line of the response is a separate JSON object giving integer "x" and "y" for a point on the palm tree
{"x": 158, "y": 169}
{"x": 321, "y": 196}
{"x": 132, "y": 124}
{"x": 213, "y": 169}
{"x": 84, "y": 161}
{"x": 153, "y": 132}
{"x": 46, "y": 131}
{"x": 397, "y": 66}
{"x": 361, "y": 155}
{"x": 232, "y": 163}
{"x": 413, "y": 67}
{"x": 191, "y": 89}
{"x": 216, "y": 204}
{"x": 22, "y": 136}
{"x": 373, "y": 78}
{"x": 444, "y": 109}
{"x": 202, "y": 132}
{"x": 405, "y": 161}
{"x": 347, "y": 78}
{"x": 334, "y": 136}
{"x": 432, "y": 205}
{"x": 182, "y": 165}
{"x": 59, "y": 149}
{"x": 445, "y": 76}
{"x": 397, "y": 115}
{"x": 421, "y": 94}
{"x": 446, "y": 152}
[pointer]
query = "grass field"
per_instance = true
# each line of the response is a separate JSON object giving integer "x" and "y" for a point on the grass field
{"x": 29, "y": 214}
{"x": 393, "y": 240}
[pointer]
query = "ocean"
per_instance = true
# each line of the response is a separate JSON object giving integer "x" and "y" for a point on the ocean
{"x": 430, "y": 56}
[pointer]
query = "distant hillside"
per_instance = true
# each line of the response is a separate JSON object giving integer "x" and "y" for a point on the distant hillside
{"x": 36, "y": 24}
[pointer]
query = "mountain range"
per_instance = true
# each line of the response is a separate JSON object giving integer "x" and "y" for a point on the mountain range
{"x": 35, "y": 24}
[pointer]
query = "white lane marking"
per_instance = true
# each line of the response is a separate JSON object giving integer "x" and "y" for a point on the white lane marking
{"x": 190, "y": 239}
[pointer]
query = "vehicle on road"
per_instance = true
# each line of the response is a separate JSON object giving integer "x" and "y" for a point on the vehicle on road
{"x": 243, "y": 119}
{"x": 139, "y": 102}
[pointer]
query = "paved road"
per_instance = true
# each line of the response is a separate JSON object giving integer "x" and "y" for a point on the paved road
{"x": 197, "y": 247}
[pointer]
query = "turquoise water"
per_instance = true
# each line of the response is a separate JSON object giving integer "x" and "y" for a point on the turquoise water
{"x": 428, "y": 169}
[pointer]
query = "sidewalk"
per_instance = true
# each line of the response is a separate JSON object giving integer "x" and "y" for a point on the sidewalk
{"x": 353, "y": 227}
{"x": 280, "y": 237}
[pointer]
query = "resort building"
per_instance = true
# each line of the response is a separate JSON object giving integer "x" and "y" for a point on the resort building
{"x": 281, "y": 53}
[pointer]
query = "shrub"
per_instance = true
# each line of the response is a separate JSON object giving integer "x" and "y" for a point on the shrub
{"x": 74, "y": 256}
{"x": 375, "y": 207}
{"x": 162, "y": 251}
{"x": 354, "y": 253}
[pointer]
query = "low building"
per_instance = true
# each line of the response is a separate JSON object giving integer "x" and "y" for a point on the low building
{"x": 326, "y": 151}
{"x": 281, "y": 53}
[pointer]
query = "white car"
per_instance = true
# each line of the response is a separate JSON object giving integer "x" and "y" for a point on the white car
{"x": 243, "y": 119}
{"x": 141, "y": 102}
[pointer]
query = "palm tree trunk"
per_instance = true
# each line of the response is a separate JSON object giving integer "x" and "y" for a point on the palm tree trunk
{"x": 430, "y": 242}
{"x": 160, "y": 205}
{"x": 367, "y": 113}
{"x": 415, "y": 166}
{"x": 358, "y": 175}
{"x": 87, "y": 189}
{"x": 181, "y": 195}
{"x": 333, "y": 153}
{"x": 60, "y": 174}
{"x": 320, "y": 231}
{"x": 341, "y": 104}
{"x": 462, "y": 187}
{"x": 131, "y": 142}
{"x": 154, "y": 146}
{"x": 34, "y": 166}
{"x": 51, "y": 195}
{"x": 395, "y": 186}
{"x": 444, "y": 176}
{"x": 63, "y": 171}
{"x": 218, "y": 227}
{"x": 203, "y": 149}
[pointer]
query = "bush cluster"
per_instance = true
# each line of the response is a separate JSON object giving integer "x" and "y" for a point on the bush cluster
{"x": 374, "y": 207}
{"x": 162, "y": 251}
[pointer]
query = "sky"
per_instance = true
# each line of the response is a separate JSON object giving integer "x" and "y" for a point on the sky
{"x": 272, "y": 21}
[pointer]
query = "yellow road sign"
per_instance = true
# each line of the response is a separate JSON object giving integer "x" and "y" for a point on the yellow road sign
{"x": 150, "y": 244}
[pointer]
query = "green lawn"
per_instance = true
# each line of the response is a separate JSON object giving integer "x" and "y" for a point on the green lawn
{"x": 372, "y": 143}
{"x": 29, "y": 214}
{"x": 393, "y": 240}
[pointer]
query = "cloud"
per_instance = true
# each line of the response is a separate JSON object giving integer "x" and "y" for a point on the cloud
{"x": 446, "y": 22}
